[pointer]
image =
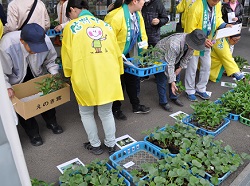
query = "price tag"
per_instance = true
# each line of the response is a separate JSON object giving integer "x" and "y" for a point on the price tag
{"x": 129, "y": 164}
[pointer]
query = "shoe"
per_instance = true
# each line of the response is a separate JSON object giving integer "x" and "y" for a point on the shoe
{"x": 202, "y": 95}
{"x": 167, "y": 107}
{"x": 191, "y": 97}
{"x": 238, "y": 76}
{"x": 141, "y": 109}
{"x": 177, "y": 102}
{"x": 94, "y": 150}
{"x": 36, "y": 140}
{"x": 119, "y": 115}
{"x": 111, "y": 150}
{"x": 57, "y": 129}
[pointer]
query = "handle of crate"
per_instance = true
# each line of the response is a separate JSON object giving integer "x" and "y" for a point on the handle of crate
{"x": 52, "y": 32}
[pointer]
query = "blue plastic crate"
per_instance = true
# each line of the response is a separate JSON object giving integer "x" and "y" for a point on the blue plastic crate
{"x": 202, "y": 131}
{"x": 53, "y": 33}
{"x": 119, "y": 175}
{"x": 140, "y": 152}
{"x": 142, "y": 72}
{"x": 208, "y": 177}
{"x": 231, "y": 116}
{"x": 159, "y": 148}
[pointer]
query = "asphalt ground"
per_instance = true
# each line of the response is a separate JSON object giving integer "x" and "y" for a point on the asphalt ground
{"x": 57, "y": 149}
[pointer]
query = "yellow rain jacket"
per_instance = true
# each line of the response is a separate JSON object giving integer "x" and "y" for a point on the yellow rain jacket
{"x": 222, "y": 59}
{"x": 117, "y": 20}
{"x": 183, "y": 8}
{"x": 1, "y": 29}
{"x": 92, "y": 59}
{"x": 195, "y": 17}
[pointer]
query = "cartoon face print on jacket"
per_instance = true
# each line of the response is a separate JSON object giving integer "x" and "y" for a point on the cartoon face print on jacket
{"x": 96, "y": 34}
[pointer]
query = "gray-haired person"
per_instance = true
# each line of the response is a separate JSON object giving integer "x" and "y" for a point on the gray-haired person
{"x": 178, "y": 49}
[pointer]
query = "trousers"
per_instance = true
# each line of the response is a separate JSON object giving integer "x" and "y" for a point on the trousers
{"x": 89, "y": 124}
{"x": 129, "y": 83}
{"x": 205, "y": 64}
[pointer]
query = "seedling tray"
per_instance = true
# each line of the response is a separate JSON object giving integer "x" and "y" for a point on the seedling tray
{"x": 244, "y": 120}
{"x": 142, "y": 72}
{"x": 119, "y": 175}
{"x": 155, "y": 146}
{"x": 231, "y": 116}
{"x": 202, "y": 131}
{"x": 135, "y": 155}
{"x": 52, "y": 33}
{"x": 208, "y": 177}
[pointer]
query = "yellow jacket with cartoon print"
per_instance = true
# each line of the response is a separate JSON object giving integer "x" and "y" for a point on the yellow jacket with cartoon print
{"x": 222, "y": 59}
{"x": 94, "y": 69}
{"x": 195, "y": 17}
{"x": 117, "y": 20}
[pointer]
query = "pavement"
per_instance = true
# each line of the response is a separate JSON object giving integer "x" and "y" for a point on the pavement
{"x": 57, "y": 149}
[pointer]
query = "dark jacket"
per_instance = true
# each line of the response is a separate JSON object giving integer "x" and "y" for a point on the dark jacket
{"x": 2, "y": 15}
{"x": 238, "y": 12}
{"x": 151, "y": 10}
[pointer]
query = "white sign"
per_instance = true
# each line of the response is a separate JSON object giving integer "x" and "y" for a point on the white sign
{"x": 70, "y": 164}
{"x": 230, "y": 16}
{"x": 124, "y": 141}
{"x": 229, "y": 31}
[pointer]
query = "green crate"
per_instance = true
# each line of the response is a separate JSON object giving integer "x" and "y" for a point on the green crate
{"x": 244, "y": 121}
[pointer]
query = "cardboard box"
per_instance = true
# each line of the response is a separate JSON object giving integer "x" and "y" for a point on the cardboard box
{"x": 38, "y": 105}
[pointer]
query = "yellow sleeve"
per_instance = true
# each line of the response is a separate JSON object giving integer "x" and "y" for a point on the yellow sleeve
{"x": 66, "y": 51}
{"x": 219, "y": 20}
{"x": 194, "y": 17}
{"x": 180, "y": 8}
{"x": 144, "y": 36}
{"x": 1, "y": 29}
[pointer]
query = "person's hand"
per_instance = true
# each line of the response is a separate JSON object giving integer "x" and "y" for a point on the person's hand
{"x": 58, "y": 28}
{"x": 11, "y": 92}
{"x": 155, "y": 21}
{"x": 208, "y": 43}
{"x": 228, "y": 25}
{"x": 177, "y": 71}
{"x": 174, "y": 88}
{"x": 235, "y": 19}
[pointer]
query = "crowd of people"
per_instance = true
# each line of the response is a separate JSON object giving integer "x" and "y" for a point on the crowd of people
{"x": 92, "y": 50}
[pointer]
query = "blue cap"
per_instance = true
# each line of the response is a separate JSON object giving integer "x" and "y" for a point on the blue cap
{"x": 34, "y": 35}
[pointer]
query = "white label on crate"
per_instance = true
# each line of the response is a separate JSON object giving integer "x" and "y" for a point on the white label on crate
{"x": 142, "y": 44}
{"x": 129, "y": 164}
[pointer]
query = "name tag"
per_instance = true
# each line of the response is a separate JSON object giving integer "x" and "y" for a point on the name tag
{"x": 142, "y": 44}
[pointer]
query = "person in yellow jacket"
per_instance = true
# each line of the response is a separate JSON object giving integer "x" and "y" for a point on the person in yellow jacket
{"x": 128, "y": 24}
{"x": 183, "y": 7}
{"x": 1, "y": 29}
{"x": 204, "y": 15}
{"x": 222, "y": 59}
{"x": 93, "y": 61}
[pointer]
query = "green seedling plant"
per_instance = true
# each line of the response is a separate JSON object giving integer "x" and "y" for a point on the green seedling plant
{"x": 170, "y": 171}
{"x": 234, "y": 101}
{"x": 180, "y": 86}
{"x": 36, "y": 182}
{"x": 149, "y": 57}
{"x": 173, "y": 137}
{"x": 50, "y": 84}
{"x": 209, "y": 155}
{"x": 208, "y": 115}
{"x": 95, "y": 174}
{"x": 53, "y": 23}
{"x": 241, "y": 62}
